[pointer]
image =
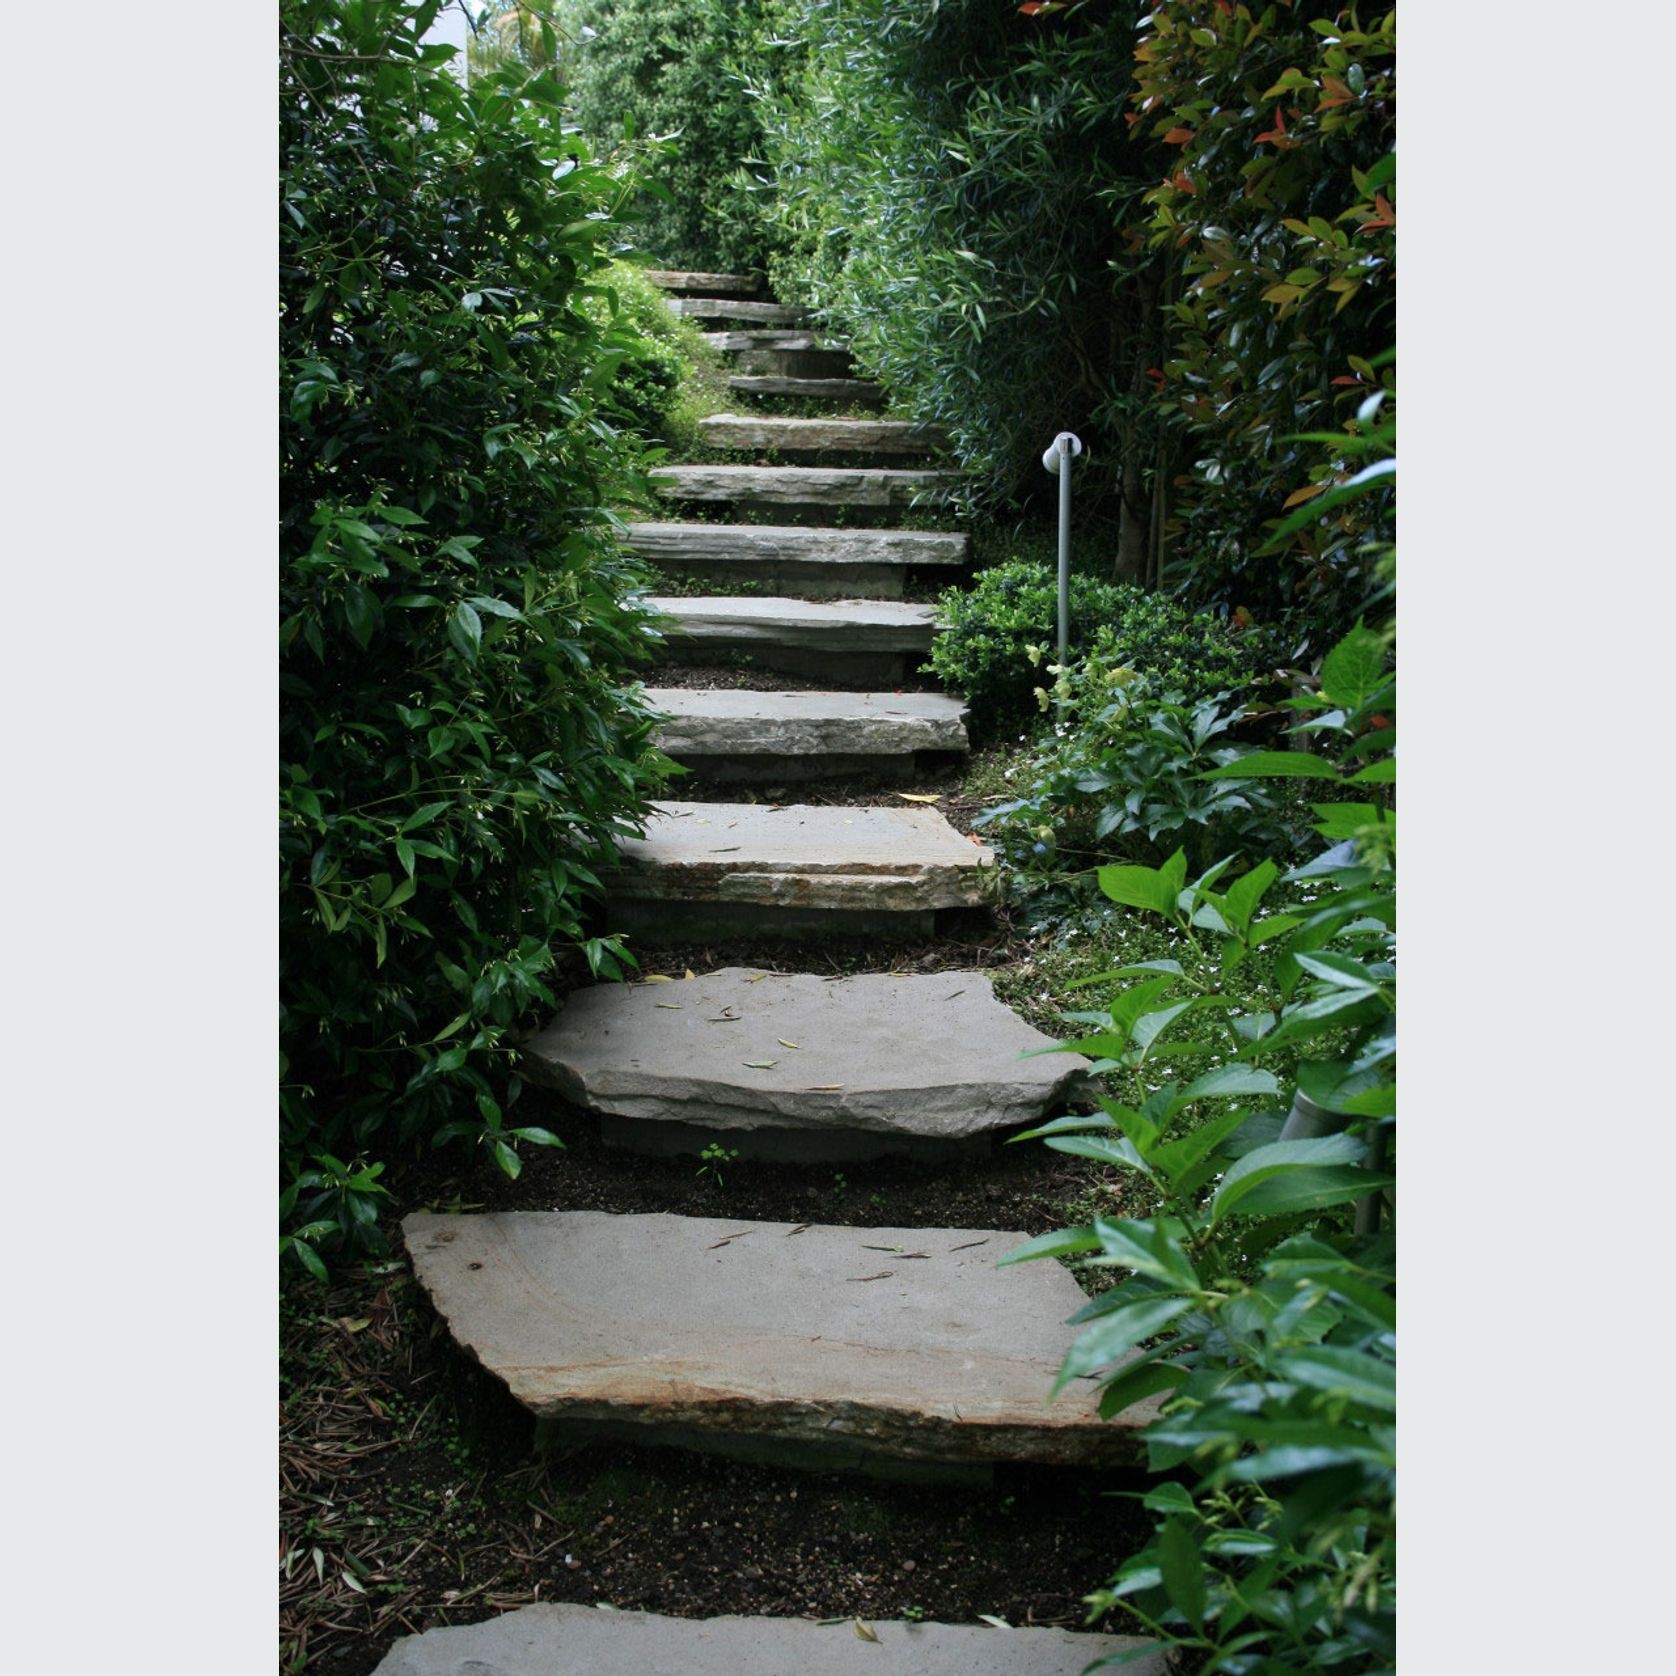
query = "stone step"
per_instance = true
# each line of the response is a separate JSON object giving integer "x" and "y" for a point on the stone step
{"x": 800, "y": 1066}
{"x": 725, "y": 285}
{"x": 759, "y": 432}
{"x": 778, "y": 737}
{"x": 783, "y": 354}
{"x": 830, "y": 1347}
{"x": 570, "y": 1640}
{"x": 735, "y": 343}
{"x": 795, "y": 869}
{"x": 858, "y": 390}
{"x": 818, "y": 563}
{"x": 731, "y": 308}
{"x": 853, "y": 643}
{"x": 803, "y": 485}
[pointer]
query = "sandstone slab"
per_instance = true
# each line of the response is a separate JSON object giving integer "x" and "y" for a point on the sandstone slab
{"x": 679, "y": 543}
{"x": 934, "y": 1056}
{"x": 731, "y": 308}
{"x": 677, "y": 279}
{"x": 572, "y": 1640}
{"x": 857, "y": 643}
{"x": 795, "y": 363}
{"x": 772, "y": 339}
{"x": 803, "y": 485}
{"x": 852, "y": 625}
{"x": 744, "y": 734}
{"x": 808, "y": 389}
{"x": 757, "y": 432}
{"x": 894, "y": 1343}
{"x": 804, "y": 867}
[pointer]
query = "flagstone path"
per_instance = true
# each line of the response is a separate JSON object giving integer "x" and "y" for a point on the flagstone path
{"x": 894, "y": 1349}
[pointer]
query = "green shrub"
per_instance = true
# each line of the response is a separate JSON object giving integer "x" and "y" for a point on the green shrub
{"x": 1001, "y": 639}
{"x": 458, "y": 751}
{"x": 646, "y": 388}
{"x": 644, "y": 69}
{"x": 1263, "y": 1288}
{"x": 1279, "y": 193}
{"x": 1178, "y": 244}
{"x": 955, "y": 182}
{"x": 1122, "y": 776}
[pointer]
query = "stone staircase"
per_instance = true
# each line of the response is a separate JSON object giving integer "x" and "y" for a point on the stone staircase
{"x": 907, "y": 1351}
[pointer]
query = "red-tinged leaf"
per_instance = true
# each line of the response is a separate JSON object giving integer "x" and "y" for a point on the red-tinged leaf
{"x": 1181, "y": 183}
{"x": 1178, "y": 136}
{"x": 1338, "y": 94}
{"x": 1299, "y": 496}
{"x": 1350, "y": 379}
{"x": 1383, "y": 216}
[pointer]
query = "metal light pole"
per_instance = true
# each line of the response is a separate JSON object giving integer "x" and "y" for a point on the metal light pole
{"x": 1060, "y": 452}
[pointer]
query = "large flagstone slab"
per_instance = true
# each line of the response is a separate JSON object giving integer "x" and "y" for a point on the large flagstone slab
{"x": 816, "y": 563}
{"x": 851, "y": 643}
{"x": 894, "y": 1055}
{"x": 741, "y": 733}
{"x": 760, "y": 432}
{"x": 822, "y": 486}
{"x": 814, "y": 856}
{"x": 809, "y": 389}
{"x": 679, "y": 279}
{"x": 904, "y": 1344}
{"x": 573, "y": 1640}
{"x": 827, "y": 626}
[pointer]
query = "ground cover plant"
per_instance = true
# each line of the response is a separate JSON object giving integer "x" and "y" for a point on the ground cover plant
{"x": 1254, "y": 1302}
{"x": 458, "y": 748}
{"x": 998, "y": 641}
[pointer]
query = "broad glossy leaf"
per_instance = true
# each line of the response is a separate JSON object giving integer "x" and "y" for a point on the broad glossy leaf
{"x": 1102, "y": 1149}
{"x": 1360, "y": 1377}
{"x": 1075, "y": 1123}
{"x": 1279, "y": 1158}
{"x": 1275, "y": 765}
{"x": 1246, "y": 892}
{"x": 1183, "y": 1570}
{"x": 1341, "y": 971}
{"x": 1355, "y": 668}
{"x": 1142, "y": 887}
{"x": 1228, "y": 1082}
{"x": 1062, "y": 1242}
{"x": 465, "y": 631}
{"x": 1311, "y": 1189}
{"x": 1117, "y": 1333}
{"x": 1173, "y": 966}
{"x": 1177, "y": 1158}
{"x": 1146, "y": 1247}
{"x": 1137, "y": 1380}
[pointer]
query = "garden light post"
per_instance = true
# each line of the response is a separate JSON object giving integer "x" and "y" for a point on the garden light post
{"x": 1060, "y": 452}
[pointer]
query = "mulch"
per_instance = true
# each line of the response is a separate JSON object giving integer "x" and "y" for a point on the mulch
{"x": 412, "y": 1493}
